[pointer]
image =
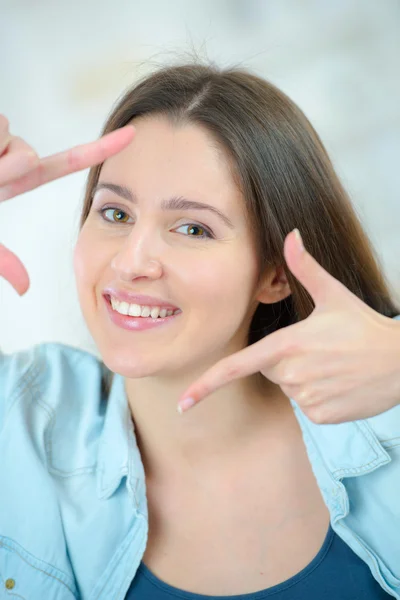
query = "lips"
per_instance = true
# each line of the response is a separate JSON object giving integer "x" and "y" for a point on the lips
{"x": 137, "y": 323}
{"x": 141, "y": 299}
{"x": 109, "y": 300}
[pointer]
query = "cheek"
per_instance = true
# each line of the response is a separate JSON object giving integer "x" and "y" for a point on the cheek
{"x": 221, "y": 285}
{"x": 77, "y": 260}
{"x": 85, "y": 265}
{"x": 80, "y": 267}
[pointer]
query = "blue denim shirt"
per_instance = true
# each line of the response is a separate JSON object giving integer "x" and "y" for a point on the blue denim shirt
{"x": 73, "y": 509}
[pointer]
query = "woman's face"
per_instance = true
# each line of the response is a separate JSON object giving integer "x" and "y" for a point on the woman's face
{"x": 141, "y": 248}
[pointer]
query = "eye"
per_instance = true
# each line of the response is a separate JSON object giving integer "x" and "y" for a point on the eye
{"x": 204, "y": 233}
{"x": 102, "y": 212}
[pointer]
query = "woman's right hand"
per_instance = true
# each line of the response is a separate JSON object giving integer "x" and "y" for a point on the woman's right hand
{"x": 22, "y": 170}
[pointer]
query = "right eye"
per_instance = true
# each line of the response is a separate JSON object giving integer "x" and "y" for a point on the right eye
{"x": 115, "y": 210}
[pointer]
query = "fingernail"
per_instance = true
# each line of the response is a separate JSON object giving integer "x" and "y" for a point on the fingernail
{"x": 299, "y": 238}
{"x": 185, "y": 405}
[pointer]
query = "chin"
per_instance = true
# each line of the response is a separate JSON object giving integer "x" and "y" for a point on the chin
{"x": 127, "y": 365}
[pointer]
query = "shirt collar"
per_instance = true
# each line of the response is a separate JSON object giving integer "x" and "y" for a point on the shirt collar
{"x": 347, "y": 449}
{"x": 119, "y": 455}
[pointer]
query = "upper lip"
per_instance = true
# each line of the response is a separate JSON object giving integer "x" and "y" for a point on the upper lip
{"x": 132, "y": 298}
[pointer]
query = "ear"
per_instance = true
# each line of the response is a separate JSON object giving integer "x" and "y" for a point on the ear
{"x": 274, "y": 287}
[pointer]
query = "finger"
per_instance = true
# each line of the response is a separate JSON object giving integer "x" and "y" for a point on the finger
{"x": 73, "y": 160}
{"x": 321, "y": 285}
{"x": 12, "y": 269}
{"x": 86, "y": 155}
{"x": 19, "y": 160}
{"x": 5, "y": 135}
{"x": 260, "y": 356}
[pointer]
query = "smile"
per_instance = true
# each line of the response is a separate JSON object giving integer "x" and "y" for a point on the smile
{"x": 138, "y": 310}
{"x": 148, "y": 317}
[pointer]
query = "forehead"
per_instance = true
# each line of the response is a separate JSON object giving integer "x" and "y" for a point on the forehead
{"x": 172, "y": 156}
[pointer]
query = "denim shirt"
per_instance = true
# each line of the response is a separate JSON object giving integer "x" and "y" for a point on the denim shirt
{"x": 73, "y": 508}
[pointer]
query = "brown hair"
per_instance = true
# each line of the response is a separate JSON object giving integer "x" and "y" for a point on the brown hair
{"x": 283, "y": 171}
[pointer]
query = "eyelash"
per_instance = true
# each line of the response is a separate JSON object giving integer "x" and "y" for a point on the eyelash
{"x": 208, "y": 232}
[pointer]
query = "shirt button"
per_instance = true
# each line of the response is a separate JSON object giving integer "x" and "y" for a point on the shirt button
{"x": 10, "y": 584}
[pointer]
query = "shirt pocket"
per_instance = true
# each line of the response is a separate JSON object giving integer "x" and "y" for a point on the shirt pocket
{"x": 25, "y": 577}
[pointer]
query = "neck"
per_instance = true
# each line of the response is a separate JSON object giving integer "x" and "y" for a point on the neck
{"x": 215, "y": 430}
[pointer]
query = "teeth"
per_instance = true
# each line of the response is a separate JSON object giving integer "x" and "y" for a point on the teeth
{"x": 123, "y": 308}
{"x": 135, "y": 310}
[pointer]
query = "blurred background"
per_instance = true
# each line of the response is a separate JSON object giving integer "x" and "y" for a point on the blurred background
{"x": 64, "y": 64}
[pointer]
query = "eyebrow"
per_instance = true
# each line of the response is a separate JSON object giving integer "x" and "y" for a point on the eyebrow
{"x": 175, "y": 203}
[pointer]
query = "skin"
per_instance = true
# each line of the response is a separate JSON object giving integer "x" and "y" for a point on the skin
{"x": 21, "y": 170}
{"x": 213, "y": 281}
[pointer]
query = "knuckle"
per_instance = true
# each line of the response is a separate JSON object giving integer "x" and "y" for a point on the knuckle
{"x": 232, "y": 371}
{"x": 291, "y": 373}
{"x": 22, "y": 147}
{"x": 316, "y": 414}
{"x": 32, "y": 157}
{"x": 292, "y": 345}
{"x": 18, "y": 143}
{"x": 288, "y": 376}
{"x": 307, "y": 397}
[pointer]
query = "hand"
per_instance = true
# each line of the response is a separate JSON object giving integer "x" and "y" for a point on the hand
{"x": 342, "y": 363}
{"x": 22, "y": 170}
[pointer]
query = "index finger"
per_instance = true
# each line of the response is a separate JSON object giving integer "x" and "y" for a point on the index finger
{"x": 70, "y": 161}
{"x": 260, "y": 356}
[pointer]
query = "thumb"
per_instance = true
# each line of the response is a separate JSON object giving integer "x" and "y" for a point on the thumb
{"x": 321, "y": 285}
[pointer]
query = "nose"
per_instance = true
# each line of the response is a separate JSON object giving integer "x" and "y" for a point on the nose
{"x": 138, "y": 255}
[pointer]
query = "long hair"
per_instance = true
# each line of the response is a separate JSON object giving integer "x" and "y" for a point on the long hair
{"x": 283, "y": 171}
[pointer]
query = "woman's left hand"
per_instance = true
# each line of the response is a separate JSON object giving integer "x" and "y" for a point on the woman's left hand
{"x": 342, "y": 363}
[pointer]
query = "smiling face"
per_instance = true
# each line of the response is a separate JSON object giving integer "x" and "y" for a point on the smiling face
{"x": 193, "y": 259}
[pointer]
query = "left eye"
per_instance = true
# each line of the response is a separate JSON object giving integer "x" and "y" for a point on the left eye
{"x": 204, "y": 232}
{"x": 193, "y": 226}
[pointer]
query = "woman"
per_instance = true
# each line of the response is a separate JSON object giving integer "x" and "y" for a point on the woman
{"x": 285, "y": 480}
